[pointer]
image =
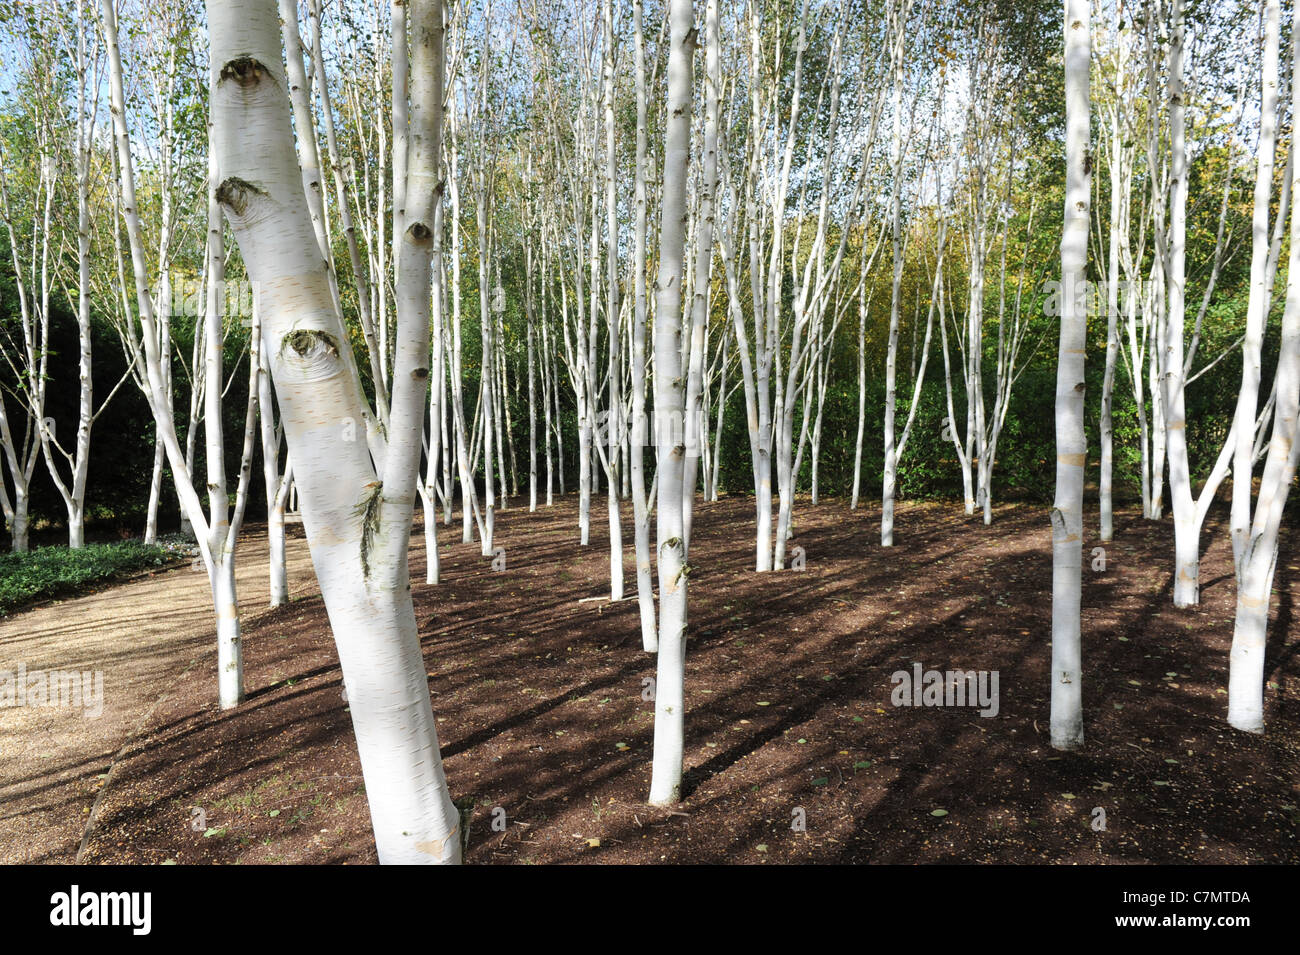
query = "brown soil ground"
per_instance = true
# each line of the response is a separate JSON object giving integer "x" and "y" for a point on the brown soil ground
{"x": 146, "y": 637}
{"x": 542, "y": 721}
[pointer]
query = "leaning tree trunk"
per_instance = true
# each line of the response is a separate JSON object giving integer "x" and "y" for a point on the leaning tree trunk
{"x": 1257, "y": 307}
{"x": 358, "y": 528}
{"x": 1256, "y": 555}
{"x": 216, "y": 543}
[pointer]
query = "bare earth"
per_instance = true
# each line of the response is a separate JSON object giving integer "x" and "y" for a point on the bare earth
{"x": 142, "y": 635}
{"x": 796, "y": 750}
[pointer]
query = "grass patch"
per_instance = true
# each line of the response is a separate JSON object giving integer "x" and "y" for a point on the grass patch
{"x": 57, "y": 571}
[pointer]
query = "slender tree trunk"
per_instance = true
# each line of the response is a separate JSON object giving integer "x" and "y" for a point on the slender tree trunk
{"x": 277, "y": 487}
{"x": 215, "y": 540}
{"x": 437, "y": 446}
{"x": 1186, "y": 531}
{"x": 532, "y": 382}
{"x": 699, "y": 309}
{"x": 670, "y": 407}
{"x": 1119, "y": 185}
{"x": 1071, "y": 439}
{"x": 221, "y": 560}
{"x": 615, "y": 417}
{"x": 1257, "y": 307}
{"x": 640, "y": 436}
{"x": 890, "y": 476}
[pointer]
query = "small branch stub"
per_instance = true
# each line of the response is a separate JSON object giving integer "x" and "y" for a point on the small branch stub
{"x": 245, "y": 71}
{"x": 234, "y": 193}
{"x": 304, "y": 341}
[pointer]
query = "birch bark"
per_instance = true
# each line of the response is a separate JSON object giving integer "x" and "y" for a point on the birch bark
{"x": 357, "y": 526}
{"x": 1071, "y": 440}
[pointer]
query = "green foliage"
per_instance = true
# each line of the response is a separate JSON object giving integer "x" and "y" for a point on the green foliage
{"x": 57, "y": 571}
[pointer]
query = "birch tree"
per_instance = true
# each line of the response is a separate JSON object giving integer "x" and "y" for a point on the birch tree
{"x": 28, "y": 356}
{"x": 217, "y": 532}
{"x": 1255, "y": 535}
{"x": 670, "y": 409}
{"x": 72, "y": 489}
{"x": 614, "y": 366}
{"x": 1071, "y": 439}
{"x": 640, "y": 431}
{"x": 358, "y": 526}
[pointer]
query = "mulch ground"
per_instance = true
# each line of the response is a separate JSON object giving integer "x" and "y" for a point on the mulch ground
{"x": 541, "y": 715}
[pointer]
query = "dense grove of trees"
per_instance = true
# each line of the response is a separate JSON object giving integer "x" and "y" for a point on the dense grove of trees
{"x": 478, "y": 254}
{"x": 1025, "y": 457}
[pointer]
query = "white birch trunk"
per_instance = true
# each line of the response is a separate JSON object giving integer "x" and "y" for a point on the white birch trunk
{"x": 221, "y": 558}
{"x": 1186, "y": 531}
{"x": 1071, "y": 439}
{"x": 215, "y": 540}
{"x": 1119, "y": 186}
{"x": 1257, "y": 307}
{"x": 1257, "y": 550}
{"x": 670, "y": 406}
{"x": 614, "y": 420}
{"x": 699, "y": 310}
{"x": 357, "y": 527}
{"x": 640, "y": 436}
{"x": 890, "y": 476}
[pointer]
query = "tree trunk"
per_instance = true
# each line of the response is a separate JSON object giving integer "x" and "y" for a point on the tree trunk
{"x": 1257, "y": 307}
{"x": 670, "y": 407}
{"x": 890, "y": 476}
{"x": 1071, "y": 440}
{"x": 1256, "y": 555}
{"x": 614, "y": 421}
{"x": 357, "y": 527}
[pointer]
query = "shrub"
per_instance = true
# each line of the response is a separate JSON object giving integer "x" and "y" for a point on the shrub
{"x": 54, "y": 571}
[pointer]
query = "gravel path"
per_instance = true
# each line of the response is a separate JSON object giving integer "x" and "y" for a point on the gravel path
{"x": 139, "y": 637}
